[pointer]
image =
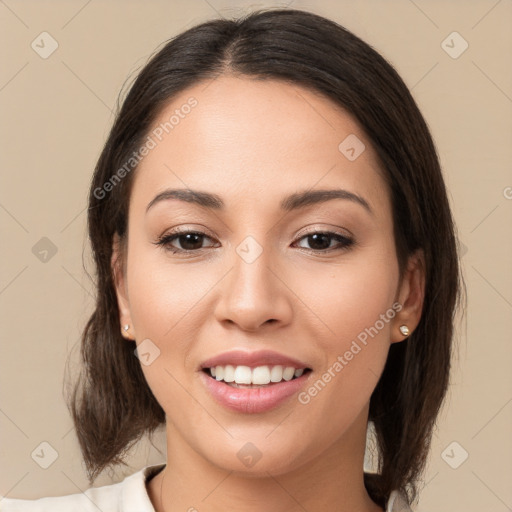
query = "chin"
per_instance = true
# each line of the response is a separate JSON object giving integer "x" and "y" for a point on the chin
{"x": 260, "y": 457}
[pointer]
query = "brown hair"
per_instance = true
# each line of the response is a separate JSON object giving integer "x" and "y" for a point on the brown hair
{"x": 111, "y": 404}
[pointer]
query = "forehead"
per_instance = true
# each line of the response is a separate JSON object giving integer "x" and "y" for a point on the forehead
{"x": 254, "y": 141}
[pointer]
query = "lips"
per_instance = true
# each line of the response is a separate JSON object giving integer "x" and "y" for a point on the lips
{"x": 253, "y": 359}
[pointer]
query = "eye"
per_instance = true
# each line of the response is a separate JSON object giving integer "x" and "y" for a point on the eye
{"x": 190, "y": 241}
{"x": 320, "y": 241}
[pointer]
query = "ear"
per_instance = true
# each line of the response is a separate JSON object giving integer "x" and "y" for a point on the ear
{"x": 119, "y": 275}
{"x": 410, "y": 295}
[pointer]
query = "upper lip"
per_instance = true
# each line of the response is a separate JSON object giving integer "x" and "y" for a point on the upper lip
{"x": 252, "y": 359}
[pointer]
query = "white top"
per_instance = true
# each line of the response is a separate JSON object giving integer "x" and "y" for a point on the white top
{"x": 130, "y": 495}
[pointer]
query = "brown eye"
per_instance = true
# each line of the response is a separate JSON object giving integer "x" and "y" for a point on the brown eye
{"x": 189, "y": 241}
{"x": 320, "y": 241}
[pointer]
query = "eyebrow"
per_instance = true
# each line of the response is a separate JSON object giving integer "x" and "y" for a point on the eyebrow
{"x": 294, "y": 201}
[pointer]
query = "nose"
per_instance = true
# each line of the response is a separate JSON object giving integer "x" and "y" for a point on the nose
{"x": 254, "y": 294}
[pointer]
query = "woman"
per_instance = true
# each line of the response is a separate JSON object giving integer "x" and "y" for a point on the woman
{"x": 266, "y": 354}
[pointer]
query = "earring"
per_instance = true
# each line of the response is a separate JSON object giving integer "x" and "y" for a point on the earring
{"x": 404, "y": 330}
{"x": 126, "y": 327}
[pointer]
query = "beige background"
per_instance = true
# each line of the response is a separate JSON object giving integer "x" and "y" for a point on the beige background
{"x": 56, "y": 113}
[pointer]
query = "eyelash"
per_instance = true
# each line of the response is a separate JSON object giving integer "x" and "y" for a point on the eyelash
{"x": 165, "y": 241}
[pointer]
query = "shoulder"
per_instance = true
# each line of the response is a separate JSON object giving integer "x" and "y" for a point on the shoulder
{"x": 130, "y": 495}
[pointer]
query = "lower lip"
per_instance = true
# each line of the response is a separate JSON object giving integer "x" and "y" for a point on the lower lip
{"x": 253, "y": 400}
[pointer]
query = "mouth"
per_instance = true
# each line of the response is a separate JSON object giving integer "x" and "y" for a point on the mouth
{"x": 253, "y": 382}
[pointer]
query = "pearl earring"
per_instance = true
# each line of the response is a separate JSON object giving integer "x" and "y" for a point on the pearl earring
{"x": 404, "y": 330}
{"x": 126, "y": 327}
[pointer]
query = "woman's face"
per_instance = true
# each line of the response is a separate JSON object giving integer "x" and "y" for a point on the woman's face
{"x": 257, "y": 278}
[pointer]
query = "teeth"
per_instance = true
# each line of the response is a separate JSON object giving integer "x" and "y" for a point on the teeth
{"x": 260, "y": 376}
{"x": 288, "y": 373}
{"x": 219, "y": 372}
{"x": 243, "y": 374}
{"x": 229, "y": 373}
{"x": 276, "y": 374}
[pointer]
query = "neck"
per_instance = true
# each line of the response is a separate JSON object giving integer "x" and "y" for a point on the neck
{"x": 333, "y": 480}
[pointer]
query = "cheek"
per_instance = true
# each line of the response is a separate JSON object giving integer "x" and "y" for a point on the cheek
{"x": 354, "y": 302}
{"x": 168, "y": 302}
{"x": 162, "y": 293}
{"x": 164, "y": 299}
{"x": 351, "y": 297}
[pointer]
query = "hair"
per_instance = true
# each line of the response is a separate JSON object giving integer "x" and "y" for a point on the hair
{"x": 111, "y": 403}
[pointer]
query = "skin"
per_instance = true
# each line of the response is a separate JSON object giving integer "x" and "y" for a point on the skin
{"x": 252, "y": 143}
